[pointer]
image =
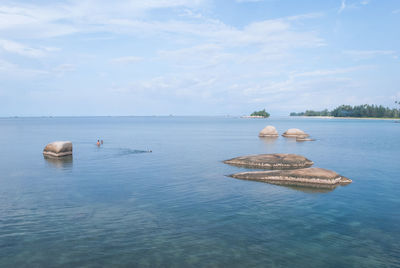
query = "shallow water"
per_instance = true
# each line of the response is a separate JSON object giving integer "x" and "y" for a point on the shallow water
{"x": 119, "y": 205}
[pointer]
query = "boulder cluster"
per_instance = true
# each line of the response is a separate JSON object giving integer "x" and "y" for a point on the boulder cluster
{"x": 286, "y": 169}
{"x": 270, "y": 131}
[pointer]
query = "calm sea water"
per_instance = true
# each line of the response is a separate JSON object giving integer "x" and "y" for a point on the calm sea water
{"x": 175, "y": 207}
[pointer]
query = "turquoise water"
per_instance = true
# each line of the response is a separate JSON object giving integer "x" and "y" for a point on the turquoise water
{"x": 121, "y": 206}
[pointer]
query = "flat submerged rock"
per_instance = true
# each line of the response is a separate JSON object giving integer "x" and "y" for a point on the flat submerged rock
{"x": 304, "y": 139}
{"x": 299, "y": 177}
{"x": 271, "y": 161}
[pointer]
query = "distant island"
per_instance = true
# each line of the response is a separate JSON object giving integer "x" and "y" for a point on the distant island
{"x": 360, "y": 111}
{"x": 259, "y": 114}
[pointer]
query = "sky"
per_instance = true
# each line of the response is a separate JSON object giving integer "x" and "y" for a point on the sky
{"x": 196, "y": 57}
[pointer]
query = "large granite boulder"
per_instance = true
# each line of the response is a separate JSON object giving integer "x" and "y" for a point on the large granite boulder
{"x": 268, "y": 131}
{"x": 271, "y": 161}
{"x": 58, "y": 149}
{"x": 300, "y": 177}
{"x": 294, "y": 133}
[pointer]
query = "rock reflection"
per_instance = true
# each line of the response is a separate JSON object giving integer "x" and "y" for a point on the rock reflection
{"x": 269, "y": 140}
{"x": 307, "y": 187}
{"x": 312, "y": 190}
{"x": 291, "y": 139}
{"x": 303, "y": 187}
{"x": 60, "y": 162}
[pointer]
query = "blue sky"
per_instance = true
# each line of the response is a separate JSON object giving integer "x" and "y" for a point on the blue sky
{"x": 196, "y": 57}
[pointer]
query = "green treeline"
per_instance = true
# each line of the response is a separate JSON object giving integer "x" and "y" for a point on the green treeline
{"x": 262, "y": 113}
{"x": 365, "y": 110}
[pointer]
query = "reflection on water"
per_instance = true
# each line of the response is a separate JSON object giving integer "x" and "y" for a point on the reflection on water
{"x": 300, "y": 186}
{"x": 128, "y": 151}
{"x": 64, "y": 162}
{"x": 290, "y": 139}
{"x": 269, "y": 140}
{"x": 308, "y": 187}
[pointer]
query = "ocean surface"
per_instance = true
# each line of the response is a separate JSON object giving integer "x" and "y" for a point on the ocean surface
{"x": 122, "y": 206}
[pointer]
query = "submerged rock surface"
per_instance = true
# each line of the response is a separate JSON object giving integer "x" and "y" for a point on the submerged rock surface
{"x": 271, "y": 161}
{"x": 299, "y": 177}
{"x": 58, "y": 149}
{"x": 268, "y": 131}
{"x": 304, "y": 139}
{"x": 294, "y": 132}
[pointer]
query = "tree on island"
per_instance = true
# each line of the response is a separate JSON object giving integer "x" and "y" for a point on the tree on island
{"x": 262, "y": 113}
{"x": 364, "y": 111}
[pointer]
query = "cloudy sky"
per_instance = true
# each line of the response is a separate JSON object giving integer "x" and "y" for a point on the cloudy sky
{"x": 196, "y": 57}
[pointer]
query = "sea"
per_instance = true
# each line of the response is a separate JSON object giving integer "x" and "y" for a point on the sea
{"x": 157, "y": 194}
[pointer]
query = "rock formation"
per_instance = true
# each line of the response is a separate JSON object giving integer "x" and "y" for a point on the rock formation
{"x": 271, "y": 161}
{"x": 287, "y": 169}
{"x": 268, "y": 131}
{"x": 304, "y": 139}
{"x": 295, "y": 132}
{"x": 58, "y": 149}
{"x": 303, "y": 177}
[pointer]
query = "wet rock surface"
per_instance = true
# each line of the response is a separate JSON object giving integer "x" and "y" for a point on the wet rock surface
{"x": 268, "y": 131}
{"x": 271, "y": 161}
{"x": 299, "y": 177}
{"x": 304, "y": 139}
{"x": 58, "y": 149}
{"x": 294, "y": 133}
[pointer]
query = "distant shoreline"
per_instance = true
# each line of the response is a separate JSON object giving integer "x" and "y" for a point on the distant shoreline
{"x": 333, "y": 117}
{"x": 253, "y": 116}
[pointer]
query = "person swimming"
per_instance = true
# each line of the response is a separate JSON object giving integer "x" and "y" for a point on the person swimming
{"x": 98, "y": 143}
{"x": 101, "y": 142}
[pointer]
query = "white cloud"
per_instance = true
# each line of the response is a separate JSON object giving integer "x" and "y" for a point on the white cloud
{"x": 226, "y": 88}
{"x": 12, "y": 70}
{"x": 9, "y": 70}
{"x": 127, "y": 59}
{"x": 197, "y": 57}
{"x": 126, "y": 17}
{"x": 184, "y": 86}
{"x": 206, "y": 45}
{"x": 75, "y": 16}
{"x": 313, "y": 15}
{"x": 352, "y": 5}
{"x": 342, "y": 6}
{"x": 397, "y": 11}
{"x": 23, "y": 50}
{"x": 367, "y": 54}
{"x": 63, "y": 68}
{"x": 329, "y": 72}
